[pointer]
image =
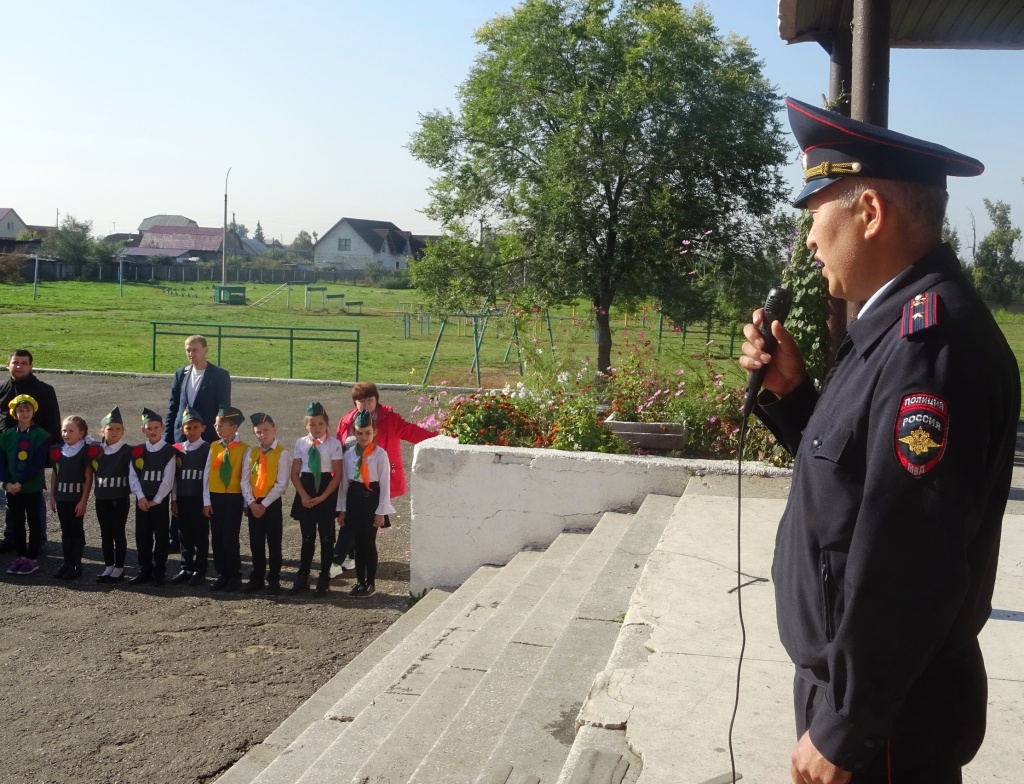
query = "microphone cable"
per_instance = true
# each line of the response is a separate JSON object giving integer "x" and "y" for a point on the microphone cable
{"x": 739, "y": 591}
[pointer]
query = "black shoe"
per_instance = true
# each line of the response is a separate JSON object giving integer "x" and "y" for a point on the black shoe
{"x": 159, "y": 580}
{"x": 112, "y": 580}
{"x": 103, "y": 578}
{"x": 197, "y": 578}
{"x": 369, "y": 590}
{"x": 358, "y": 591}
{"x": 233, "y": 584}
{"x": 299, "y": 586}
{"x": 323, "y": 585}
{"x": 273, "y": 588}
{"x": 6, "y": 546}
{"x": 73, "y": 572}
{"x": 140, "y": 579}
{"x": 181, "y": 577}
{"x": 219, "y": 584}
{"x": 252, "y": 586}
{"x": 61, "y": 571}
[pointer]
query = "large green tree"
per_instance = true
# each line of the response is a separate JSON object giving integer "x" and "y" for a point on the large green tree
{"x": 602, "y": 136}
{"x": 73, "y": 242}
{"x": 998, "y": 273}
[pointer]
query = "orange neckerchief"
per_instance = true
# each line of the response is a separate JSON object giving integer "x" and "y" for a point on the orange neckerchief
{"x": 361, "y": 467}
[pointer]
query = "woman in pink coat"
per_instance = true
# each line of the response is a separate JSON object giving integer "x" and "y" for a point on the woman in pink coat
{"x": 392, "y": 430}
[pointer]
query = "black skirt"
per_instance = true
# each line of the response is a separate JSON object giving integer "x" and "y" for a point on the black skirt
{"x": 325, "y": 510}
{"x": 361, "y": 504}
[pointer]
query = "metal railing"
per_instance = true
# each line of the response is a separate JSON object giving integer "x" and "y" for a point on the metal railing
{"x": 229, "y": 332}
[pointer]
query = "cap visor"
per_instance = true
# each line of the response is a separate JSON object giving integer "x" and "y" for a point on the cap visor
{"x": 811, "y": 188}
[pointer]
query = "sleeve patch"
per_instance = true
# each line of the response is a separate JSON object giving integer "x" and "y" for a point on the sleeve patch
{"x": 920, "y": 433}
{"x": 921, "y": 313}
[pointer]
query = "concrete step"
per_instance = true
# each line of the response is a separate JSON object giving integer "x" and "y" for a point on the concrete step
{"x": 314, "y": 708}
{"x": 466, "y": 743}
{"x": 376, "y": 706}
{"x": 539, "y": 735}
{"x": 400, "y": 754}
{"x": 311, "y": 742}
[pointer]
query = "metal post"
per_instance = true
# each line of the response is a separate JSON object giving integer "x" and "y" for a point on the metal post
{"x": 120, "y": 276}
{"x": 291, "y": 353}
{"x": 551, "y": 337}
{"x": 224, "y": 244}
{"x": 661, "y": 324}
{"x": 35, "y": 278}
{"x": 154, "y": 347}
{"x": 476, "y": 352}
{"x": 871, "y": 30}
{"x": 433, "y": 354}
{"x": 357, "y": 355}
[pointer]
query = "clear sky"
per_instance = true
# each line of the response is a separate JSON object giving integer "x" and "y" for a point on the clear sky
{"x": 115, "y": 110}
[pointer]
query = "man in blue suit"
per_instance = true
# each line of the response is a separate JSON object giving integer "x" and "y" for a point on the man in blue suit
{"x": 201, "y": 386}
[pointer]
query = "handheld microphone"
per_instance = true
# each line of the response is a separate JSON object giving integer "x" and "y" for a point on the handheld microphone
{"x": 776, "y": 308}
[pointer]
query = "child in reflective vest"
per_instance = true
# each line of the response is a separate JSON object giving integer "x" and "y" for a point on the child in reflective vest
{"x": 110, "y": 459}
{"x": 222, "y": 498}
{"x": 70, "y": 485}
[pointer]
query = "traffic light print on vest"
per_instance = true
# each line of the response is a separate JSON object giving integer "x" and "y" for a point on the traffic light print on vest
{"x": 921, "y": 432}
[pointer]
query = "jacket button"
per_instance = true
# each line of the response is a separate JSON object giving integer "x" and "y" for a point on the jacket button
{"x": 816, "y": 443}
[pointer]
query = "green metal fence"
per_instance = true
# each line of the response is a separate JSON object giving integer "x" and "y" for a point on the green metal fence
{"x": 240, "y": 332}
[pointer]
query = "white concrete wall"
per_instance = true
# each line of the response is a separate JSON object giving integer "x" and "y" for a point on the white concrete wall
{"x": 359, "y": 256}
{"x": 476, "y": 505}
{"x": 17, "y": 225}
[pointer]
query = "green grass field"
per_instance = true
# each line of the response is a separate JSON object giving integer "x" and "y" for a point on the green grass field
{"x": 88, "y": 325}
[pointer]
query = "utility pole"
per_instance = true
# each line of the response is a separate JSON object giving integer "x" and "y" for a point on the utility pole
{"x": 224, "y": 244}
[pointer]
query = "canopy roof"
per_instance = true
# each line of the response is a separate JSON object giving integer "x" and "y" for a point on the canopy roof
{"x": 920, "y": 24}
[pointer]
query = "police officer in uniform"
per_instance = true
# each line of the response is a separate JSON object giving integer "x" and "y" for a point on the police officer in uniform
{"x": 886, "y": 554}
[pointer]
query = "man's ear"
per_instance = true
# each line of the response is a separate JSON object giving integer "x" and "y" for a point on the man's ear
{"x": 873, "y": 212}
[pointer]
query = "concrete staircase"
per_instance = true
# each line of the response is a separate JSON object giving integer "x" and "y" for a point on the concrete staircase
{"x": 482, "y": 685}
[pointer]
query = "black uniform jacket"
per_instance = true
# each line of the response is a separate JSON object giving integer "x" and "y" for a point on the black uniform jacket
{"x": 213, "y": 393}
{"x": 885, "y": 557}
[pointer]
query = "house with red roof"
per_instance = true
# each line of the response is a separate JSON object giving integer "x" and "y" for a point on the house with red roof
{"x": 186, "y": 242}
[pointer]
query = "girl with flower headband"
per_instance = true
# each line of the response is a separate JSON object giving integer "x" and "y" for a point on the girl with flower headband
{"x": 70, "y": 484}
{"x": 365, "y": 500}
{"x": 22, "y": 467}
{"x": 316, "y": 474}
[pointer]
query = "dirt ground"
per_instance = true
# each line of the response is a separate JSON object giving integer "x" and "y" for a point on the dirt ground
{"x": 174, "y": 684}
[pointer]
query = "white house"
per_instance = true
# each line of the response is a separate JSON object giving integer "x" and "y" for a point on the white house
{"x": 10, "y": 224}
{"x": 355, "y": 244}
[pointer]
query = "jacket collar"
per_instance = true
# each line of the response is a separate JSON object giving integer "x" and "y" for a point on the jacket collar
{"x": 935, "y": 266}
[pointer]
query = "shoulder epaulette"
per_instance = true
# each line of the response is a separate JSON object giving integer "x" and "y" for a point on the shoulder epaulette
{"x": 921, "y": 313}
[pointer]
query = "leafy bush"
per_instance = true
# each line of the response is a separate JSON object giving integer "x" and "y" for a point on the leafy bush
{"x": 557, "y": 406}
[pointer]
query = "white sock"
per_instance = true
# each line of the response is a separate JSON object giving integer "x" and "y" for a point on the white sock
{"x": 107, "y": 572}
{"x": 115, "y": 572}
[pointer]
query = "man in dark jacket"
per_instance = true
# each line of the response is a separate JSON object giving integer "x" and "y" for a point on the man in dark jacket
{"x": 22, "y": 381}
{"x": 885, "y": 557}
{"x": 200, "y": 386}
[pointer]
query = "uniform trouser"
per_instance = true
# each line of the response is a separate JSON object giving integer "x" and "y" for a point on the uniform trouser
{"x": 309, "y": 529}
{"x": 23, "y": 508}
{"x": 344, "y": 547}
{"x": 225, "y": 529}
{"x": 151, "y": 537}
{"x": 937, "y": 731}
{"x": 72, "y": 532}
{"x": 361, "y": 505}
{"x": 265, "y": 535}
{"x": 112, "y": 514}
{"x": 193, "y": 534}
{"x": 8, "y": 533}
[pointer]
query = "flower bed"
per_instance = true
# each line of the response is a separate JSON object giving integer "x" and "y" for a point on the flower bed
{"x": 558, "y": 406}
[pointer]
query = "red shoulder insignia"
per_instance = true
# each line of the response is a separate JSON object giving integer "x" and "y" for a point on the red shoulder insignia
{"x": 921, "y": 431}
{"x": 920, "y": 313}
